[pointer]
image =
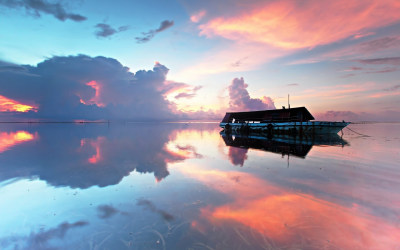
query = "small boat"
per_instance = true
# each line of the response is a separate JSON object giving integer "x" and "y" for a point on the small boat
{"x": 291, "y": 121}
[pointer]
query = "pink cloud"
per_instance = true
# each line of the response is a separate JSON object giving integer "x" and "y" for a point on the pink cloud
{"x": 361, "y": 35}
{"x": 240, "y": 99}
{"x": 198, "y": 16}
{"x": 291, "y": 25}
{"x": 383, "y": 94}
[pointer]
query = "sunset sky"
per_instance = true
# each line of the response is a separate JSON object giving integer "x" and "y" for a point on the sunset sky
{"x": 195, "y": 60}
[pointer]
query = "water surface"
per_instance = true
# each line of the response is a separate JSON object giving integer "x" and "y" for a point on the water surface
{"x": 186, "y": 186}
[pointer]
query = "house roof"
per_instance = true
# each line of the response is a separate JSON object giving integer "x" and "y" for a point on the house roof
{"x": 292, "y": 114}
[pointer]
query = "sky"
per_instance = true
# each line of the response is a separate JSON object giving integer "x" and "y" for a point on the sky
{"x": 172, "y": 60}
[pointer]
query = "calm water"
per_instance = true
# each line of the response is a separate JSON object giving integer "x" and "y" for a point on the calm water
{"x": 185, "y": 186}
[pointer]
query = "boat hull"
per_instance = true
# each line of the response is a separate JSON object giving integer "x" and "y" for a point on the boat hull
{"x": 315, "y": 127}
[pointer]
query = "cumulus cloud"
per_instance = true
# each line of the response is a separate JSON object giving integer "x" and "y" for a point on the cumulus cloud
{"x": 147, "y": 36}
{"x": 240, "y": 99}
{"x": 105, "y": 30}
{"x": 38, "y": 7}
{"x": 83, "y": 87}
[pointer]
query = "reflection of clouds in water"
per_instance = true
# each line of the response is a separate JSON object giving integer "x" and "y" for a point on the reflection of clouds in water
{"x": 41, "y": 239}
{"x": 106, "y": 211}
{"x": 182, "y": 152}
{"x": 11, "y": 139}
{"x": 150, "y": 206}
{"x": 287, "y": 218}
{"x": 190, "y": 149}
{"x": 237, "y": 156}
{"x": 93, "y": 155}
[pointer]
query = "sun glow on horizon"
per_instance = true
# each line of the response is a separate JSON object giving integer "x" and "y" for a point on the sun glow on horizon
{"x": 9, "y": 105}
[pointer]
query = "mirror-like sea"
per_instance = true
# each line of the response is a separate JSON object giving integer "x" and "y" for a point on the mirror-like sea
{"x": 188, "y": 186}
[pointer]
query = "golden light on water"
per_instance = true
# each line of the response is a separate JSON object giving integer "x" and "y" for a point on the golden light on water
{"x": 8, "y": 140}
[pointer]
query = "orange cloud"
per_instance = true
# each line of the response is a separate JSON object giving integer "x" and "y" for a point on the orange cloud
{"x": 9, "y": 105}
{"x": 290, "y": 24}
{"x": 8, "y": 140}
{"x": 96, "y": 99}
{"x": 289, "y": 218}
{"x": 96, "y": 144}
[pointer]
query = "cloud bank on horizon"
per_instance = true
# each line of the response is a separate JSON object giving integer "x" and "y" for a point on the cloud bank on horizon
{"x": 100, "y": 88}
{"x": 83, "y": 87}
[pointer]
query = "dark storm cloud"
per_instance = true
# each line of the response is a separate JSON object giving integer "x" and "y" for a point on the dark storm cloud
{"x": 105, "y": 30}
{"x": 385, "y": 60}
{"x": 41, "y": 239}
{"x": 59, "y": 87}
{"x": 40, "y": 6}
{"x": 147, "y": 36}
{"x": 6, "y": 66}
{"x": 240, "y": 99}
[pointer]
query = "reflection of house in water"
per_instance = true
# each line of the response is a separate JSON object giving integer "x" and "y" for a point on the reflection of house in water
{"x": 281, "y": 144}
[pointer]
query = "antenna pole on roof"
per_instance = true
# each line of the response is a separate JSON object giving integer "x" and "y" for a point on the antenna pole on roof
{"x": 288, "y": 103}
